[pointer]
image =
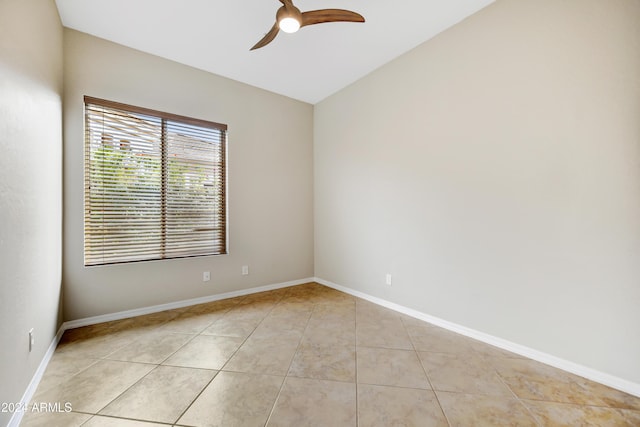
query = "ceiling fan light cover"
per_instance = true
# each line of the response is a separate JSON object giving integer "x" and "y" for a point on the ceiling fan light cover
{"x": 289, "y": 24}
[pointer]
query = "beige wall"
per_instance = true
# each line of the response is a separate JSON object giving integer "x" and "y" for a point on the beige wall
{"x": 270, "y": 179}
{"x": 30, "y": 188}
{"x": 494, "y": 171}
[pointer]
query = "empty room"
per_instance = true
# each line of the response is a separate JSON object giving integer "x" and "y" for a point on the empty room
{"x": 319, "y": 213}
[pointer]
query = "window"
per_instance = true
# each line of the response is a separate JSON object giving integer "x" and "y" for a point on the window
{"x": 154, "y": 185}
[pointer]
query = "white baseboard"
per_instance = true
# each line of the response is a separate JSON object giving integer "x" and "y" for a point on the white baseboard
{"x": 178, "y": 304}
{"x": 548, "y": 359}
{"x": 33, "y": 385}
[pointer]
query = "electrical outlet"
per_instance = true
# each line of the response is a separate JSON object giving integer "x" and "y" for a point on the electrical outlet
{"x": 206, "y": 276}
{"x": 32, "y": 339}
{"x": 388, "y": 279}
{"x": 245, "y": 270}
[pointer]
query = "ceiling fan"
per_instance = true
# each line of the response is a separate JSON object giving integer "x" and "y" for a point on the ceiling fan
{"x": 289, "y": 19}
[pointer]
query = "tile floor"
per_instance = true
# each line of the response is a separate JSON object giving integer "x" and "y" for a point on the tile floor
{"x": 306, "y": 356}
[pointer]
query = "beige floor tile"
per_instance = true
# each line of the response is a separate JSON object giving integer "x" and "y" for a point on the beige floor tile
{"x": 533, "y": 380}
{"x": 307, "y": 291}
{"x": 92, "y": 331}
{"x": 220, "y": 307}
{"x": 338, "y": 337}
{"x": 306, "y": 297}
{"x": 462, "y": 373}
{"x": 94, "y": 347}
{"x": 382, "y": 366}
{"x": 100, "y": 421}
{"x": 472, "y": 410}
{"x": 258, "y": 309}
{"x": 332, "y": 314}
{"x": 388, "y": 333}
{"x": 274, "y": 326}
{"x": 234, "y": 399}
{"x": 610, "y": 397}
{"x": 428, "y": 337}
{"x": 134, "y": 326}
{"x": 343, "y": 312}
{"x": 61, "y": 367}
{"x": 416, "y": 326}
{"x": 441, "y": 341}
{"x": 330, "y": 334}
{"x": 262, "y": 299}
{"x": 137, "y": 332}
{"x": 149, "y": 320}
{"x": 189, "y": 322}
{"x": 306, "y": 402}
{"x": 285, "y": 309}
{"x": 92, "y": 389}
{"x": 153, "y": 348}
{"x": 71, "y": 336}
{"x": 231, "y": 326}
{"x": 394, "y": 406}
{"x": 333, "y": 296}
{"x": 206, "y": 352}
{"x": 265, "y": 356}
{"x": 325, "y": 363}
{"x": 562, "y": 414}
{"x": 369, "y": 312}
{"x": 487, "y": 350}
{"x": 53, "y": 419}
{"x": 162, "y": 396}
{"x": 284, "y": 337}
{"x": 297, "y": 303}
{"x": 631, "y": 416}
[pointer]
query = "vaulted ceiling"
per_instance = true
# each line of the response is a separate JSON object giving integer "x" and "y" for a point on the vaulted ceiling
{"x": 216, "y": 36}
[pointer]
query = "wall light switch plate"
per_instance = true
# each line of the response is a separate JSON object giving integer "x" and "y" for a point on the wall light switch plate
{"x": 206, "y": 276}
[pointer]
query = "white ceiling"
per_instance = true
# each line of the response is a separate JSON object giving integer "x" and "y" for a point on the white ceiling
{"x": 216, "y": 36}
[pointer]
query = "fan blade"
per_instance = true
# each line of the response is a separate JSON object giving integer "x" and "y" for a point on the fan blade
{"x": 268, "y": 38}
{"x": 329, "y": 15}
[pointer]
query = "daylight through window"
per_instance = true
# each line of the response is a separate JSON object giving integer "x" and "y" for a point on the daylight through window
{"x": 154, "y": 185}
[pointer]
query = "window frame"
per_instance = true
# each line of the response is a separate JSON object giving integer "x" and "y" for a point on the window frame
{"x": 165, "y": 118}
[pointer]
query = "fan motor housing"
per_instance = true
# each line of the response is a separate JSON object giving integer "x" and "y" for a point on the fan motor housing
{"x": 289, "y": 12}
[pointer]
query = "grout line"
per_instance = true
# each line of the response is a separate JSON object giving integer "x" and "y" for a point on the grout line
{"x": 516, "y": 397}
{"x": 433, "y": 390}
{"x": 67, "y": 378}
{"x": 530, "y": 412}
{"x": 196, "y": 398}
{"x": 230, "y": 357}
{"x": 128, "y": 388}
{"x": 156, "y": 365}
{"x": 284, "y": 380}
{"x": 193, "y": 336}
{"x": 533, "y": 416}
{"x": 504, "y": 382}
{"x": 250, "y": 335}
{"x": 115, "y": 417}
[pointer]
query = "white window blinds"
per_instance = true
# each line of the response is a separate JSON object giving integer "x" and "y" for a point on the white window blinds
{"x": 154, "y": 185}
